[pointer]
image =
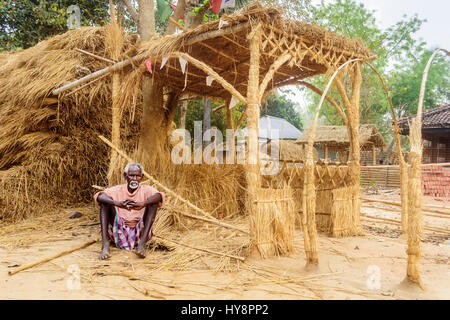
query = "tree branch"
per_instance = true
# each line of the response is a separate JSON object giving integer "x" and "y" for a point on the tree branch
{"x": 131, "y": 10}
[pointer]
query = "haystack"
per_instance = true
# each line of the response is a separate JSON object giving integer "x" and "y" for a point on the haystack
{"x": 49, "y": 147}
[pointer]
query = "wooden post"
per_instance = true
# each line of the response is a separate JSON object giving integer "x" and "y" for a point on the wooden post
{"x": 374, "y": 155}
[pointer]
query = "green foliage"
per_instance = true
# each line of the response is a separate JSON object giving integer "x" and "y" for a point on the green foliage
{"x": 218, "y": 119}
{"x": 393, "y": 45}
{"x": 26, "y": 22}
{"x": 278, "y": 105}
{"x": 295, "y": 9}
{"x": 406, "y": 81}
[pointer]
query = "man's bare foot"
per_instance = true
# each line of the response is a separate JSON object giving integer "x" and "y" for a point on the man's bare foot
{"x": 140, "y": 251}
{"x": 105, "y": 253}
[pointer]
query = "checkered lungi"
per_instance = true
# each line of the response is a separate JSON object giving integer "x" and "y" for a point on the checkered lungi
{"x": 123, "y": 236}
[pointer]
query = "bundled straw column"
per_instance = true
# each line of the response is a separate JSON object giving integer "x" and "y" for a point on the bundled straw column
{"x": 252, "y": 168}
{"x": 414, "y": 202}
{"x": 354, "y": 165}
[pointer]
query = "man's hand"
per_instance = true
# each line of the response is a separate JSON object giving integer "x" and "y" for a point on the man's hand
{"x": 126, "y": 204}
{"x": 139, "y": 205}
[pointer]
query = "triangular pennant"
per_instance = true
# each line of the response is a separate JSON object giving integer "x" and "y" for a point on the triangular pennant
{"x": 234, "y": 101}
{"x": 163, "y": 61}
{"x": 148, "y": 63}
{"x": 185, "y": 79}
{"x": 182, "y": 64}
{"x": 223, "y": 23}
{"x": 209, "y": 80}
{"x": 228, "y": 4}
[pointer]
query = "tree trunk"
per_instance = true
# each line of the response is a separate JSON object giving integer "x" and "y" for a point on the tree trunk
{"x": 190, "y": 20}
{"x": 153, "y": 124}
{"x": 183, "y": 111}
{"x": 387, "y": 156}
{"x": 206, "y": 116}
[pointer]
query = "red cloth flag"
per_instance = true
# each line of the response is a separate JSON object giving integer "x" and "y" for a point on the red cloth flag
{"x": 215, "y": 5}
{"x": 174, "y": 7}
{"x": 148, "y": 63}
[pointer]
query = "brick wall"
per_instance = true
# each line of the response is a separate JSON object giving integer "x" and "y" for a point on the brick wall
{"x": 436, "y": 181}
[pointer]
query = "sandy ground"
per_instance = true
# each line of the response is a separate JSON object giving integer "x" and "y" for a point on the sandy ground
{"x": 367, "y": 267}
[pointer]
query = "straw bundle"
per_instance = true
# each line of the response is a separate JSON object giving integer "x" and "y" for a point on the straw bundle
{"x": 414, "y": 202}
{"x": 114, "y": 44}
{"x": 273, "y": 222}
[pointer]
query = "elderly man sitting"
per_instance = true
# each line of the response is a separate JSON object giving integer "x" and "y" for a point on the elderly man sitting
{"x": 127, "y": 212}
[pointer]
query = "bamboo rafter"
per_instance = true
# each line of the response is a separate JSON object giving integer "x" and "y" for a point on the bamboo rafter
{"x": 203, "y": 66}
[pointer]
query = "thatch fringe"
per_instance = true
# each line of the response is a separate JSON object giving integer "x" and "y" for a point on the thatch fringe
{"x": 273, "y": 222}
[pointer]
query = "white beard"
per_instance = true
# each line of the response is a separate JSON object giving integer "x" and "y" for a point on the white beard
{"x": 133, "y": 185}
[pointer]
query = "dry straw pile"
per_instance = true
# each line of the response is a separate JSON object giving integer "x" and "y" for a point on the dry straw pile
{"x": 49, "y": 153}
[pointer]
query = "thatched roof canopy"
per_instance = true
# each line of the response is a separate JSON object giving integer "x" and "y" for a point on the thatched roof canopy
{"x": 337, "y": 137}
{"x": 223, "y": 46}
{"x": 289, "y": 150}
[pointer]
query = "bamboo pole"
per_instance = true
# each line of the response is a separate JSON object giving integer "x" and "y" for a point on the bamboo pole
{"x": 396, "y": 210}
{"x": 62, "y": 253}
{"x": 217, "y": 223}
{"x": 203, "y": 66}
{"x": 95, "y": 56}
{"x": 201, "y": 249}
{"x": 398, "y": 223}
{"x": 160, "y": 185}
{"x": 400, "y": 204}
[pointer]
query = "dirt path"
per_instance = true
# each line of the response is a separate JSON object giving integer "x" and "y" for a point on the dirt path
{"x": 348, "y": 269}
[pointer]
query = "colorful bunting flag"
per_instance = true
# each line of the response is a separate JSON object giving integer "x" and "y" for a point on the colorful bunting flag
{"x": 164, "y": 10}
{"x": 215, "y": 5}
{"x": 174, "y": 7}
{"x": 148, "y": 63}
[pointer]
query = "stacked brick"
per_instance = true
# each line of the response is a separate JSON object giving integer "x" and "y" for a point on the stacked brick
{"x": 436, "y": 181}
